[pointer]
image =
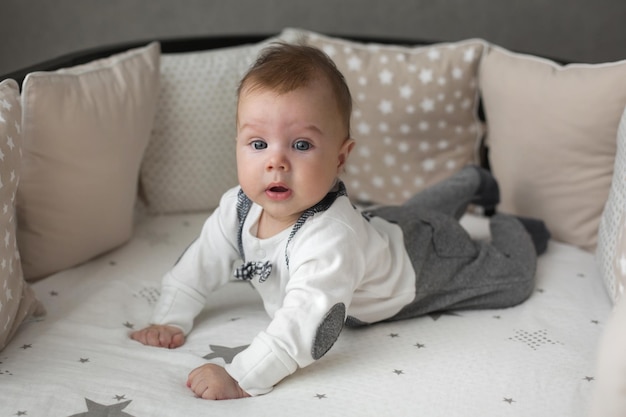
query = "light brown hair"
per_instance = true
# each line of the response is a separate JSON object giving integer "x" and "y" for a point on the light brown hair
{"x": 283, "y": 67}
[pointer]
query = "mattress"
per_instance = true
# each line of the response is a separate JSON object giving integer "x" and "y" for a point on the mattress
{"x": 535, "y": 359}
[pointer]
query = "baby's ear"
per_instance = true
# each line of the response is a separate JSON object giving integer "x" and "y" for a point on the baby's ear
{"x": 344, "y": 152}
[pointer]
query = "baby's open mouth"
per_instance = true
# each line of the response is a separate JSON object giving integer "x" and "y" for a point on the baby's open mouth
{"x": 278, "y": 189}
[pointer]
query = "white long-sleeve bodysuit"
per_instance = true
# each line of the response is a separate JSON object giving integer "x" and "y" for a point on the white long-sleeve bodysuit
{"x": 311, "y": 278}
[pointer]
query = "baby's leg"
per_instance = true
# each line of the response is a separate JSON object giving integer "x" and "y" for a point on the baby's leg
{"x": 459, "y": 273}
{"x": 451, "y": 196}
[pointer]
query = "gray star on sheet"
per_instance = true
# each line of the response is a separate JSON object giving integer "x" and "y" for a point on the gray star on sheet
{"x": 392, "y": 335}
{"x": 99, "y": 410}
{"x": 588, "y": 378}
{"x": 320, "y": 396}
{"x": 419, "y": 345}
{"x": 509, "y": 400}
{"x": 119, "y": 397}
{"x": 20, "y": 413}
{"x": 398, "y": 371}
{"x": 224, "y": 352}
{"x": 83, "y": 360}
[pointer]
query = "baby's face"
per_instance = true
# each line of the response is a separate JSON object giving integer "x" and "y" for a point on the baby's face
{"x": 290, "y": 148}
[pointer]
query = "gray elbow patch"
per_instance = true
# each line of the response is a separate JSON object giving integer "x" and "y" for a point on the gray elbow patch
{"x": 328, "y": 330}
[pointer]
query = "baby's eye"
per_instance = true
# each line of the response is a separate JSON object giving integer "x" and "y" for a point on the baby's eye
{"x": 302, "y": 145}
{"x": 258, "y": 144}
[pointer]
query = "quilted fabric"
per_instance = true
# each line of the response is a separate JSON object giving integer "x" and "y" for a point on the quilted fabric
{"x": 190, "y": 161}
{"x": 611, "y": 251}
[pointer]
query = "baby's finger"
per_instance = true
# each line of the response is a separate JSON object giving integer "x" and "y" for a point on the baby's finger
{"x": 153, "y": 337}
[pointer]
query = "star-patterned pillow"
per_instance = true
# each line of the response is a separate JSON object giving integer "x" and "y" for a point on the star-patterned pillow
{"x": 415, "y": 116}
{"x": 17, "y": 300}
{"x": 611, "y": 251}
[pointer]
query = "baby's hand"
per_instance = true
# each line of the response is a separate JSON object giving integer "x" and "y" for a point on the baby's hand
{"x": 212, "y": 382}
{"x": 160, "y": 335}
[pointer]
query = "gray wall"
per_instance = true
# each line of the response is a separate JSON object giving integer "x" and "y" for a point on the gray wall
{"x": 575, "y": 30}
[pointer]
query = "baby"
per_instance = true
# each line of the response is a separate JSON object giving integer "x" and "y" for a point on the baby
{"x": 318, "y": 262}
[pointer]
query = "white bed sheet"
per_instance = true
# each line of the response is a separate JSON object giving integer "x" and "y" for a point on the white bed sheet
{"x": 536, "y": 359}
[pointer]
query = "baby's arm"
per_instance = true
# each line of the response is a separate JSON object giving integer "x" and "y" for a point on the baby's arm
{"x": 160, "y": 335}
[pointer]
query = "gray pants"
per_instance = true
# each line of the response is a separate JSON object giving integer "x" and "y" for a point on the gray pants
{"x": 452, "y": 270}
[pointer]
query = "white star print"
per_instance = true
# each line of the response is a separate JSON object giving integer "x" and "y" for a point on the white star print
{"x": 378, "y": 181}
{"x": 424, "y": 126}
{"x": 405, "y": 129}
{"x": 329, "y": 50}
{"x": 354, "y": 63}
{"x": 10, "y": 143}
{"x": 5, "y": 104}
{"x": 364, "y": 151}
{"x": 390, "y": 160}
{"x": 457, "y": 73}
{"x": 385, "y": 107}
{"x": 2, "y": 119}
{"x": 7, "y": 238}
{"x": 468, "y": 55}
{"x": 363, "y": 128}
{"x": 383, "y": 127}
{"x": 428, "y": 164}
{"x": 9, "y": 295}
{"x": 427, "y": 105}
{"x": 385, "y": 76}
{"x": 403, "y": 147}
{"x": 434, "y": 54}
{"x": 426, "y": 76}
{"x": 406, "y": 91}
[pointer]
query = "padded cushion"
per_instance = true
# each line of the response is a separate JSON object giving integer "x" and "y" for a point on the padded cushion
{"x": 611, "y": 251}
{"x": 415, "y": 113}
{"x": 17, "y": 300}
{"x": 551, "y": 138}
{"x": 85, "y": 131}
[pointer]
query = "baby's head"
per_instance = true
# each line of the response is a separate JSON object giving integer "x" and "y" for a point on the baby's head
{"x": 293, "y": 130}
{"x": 282, "y": 68}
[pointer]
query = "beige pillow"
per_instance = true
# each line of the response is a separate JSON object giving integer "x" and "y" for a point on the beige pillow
{"x": 551, "y": 138}
{"x": 17, "y": 300}
{"x": 415, "y": 113}
{"x": 85, "y": 131}
{"x": 611, "y": 251}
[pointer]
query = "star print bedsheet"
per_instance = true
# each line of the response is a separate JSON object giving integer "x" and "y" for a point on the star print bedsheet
{"x": 536, "y": 359}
